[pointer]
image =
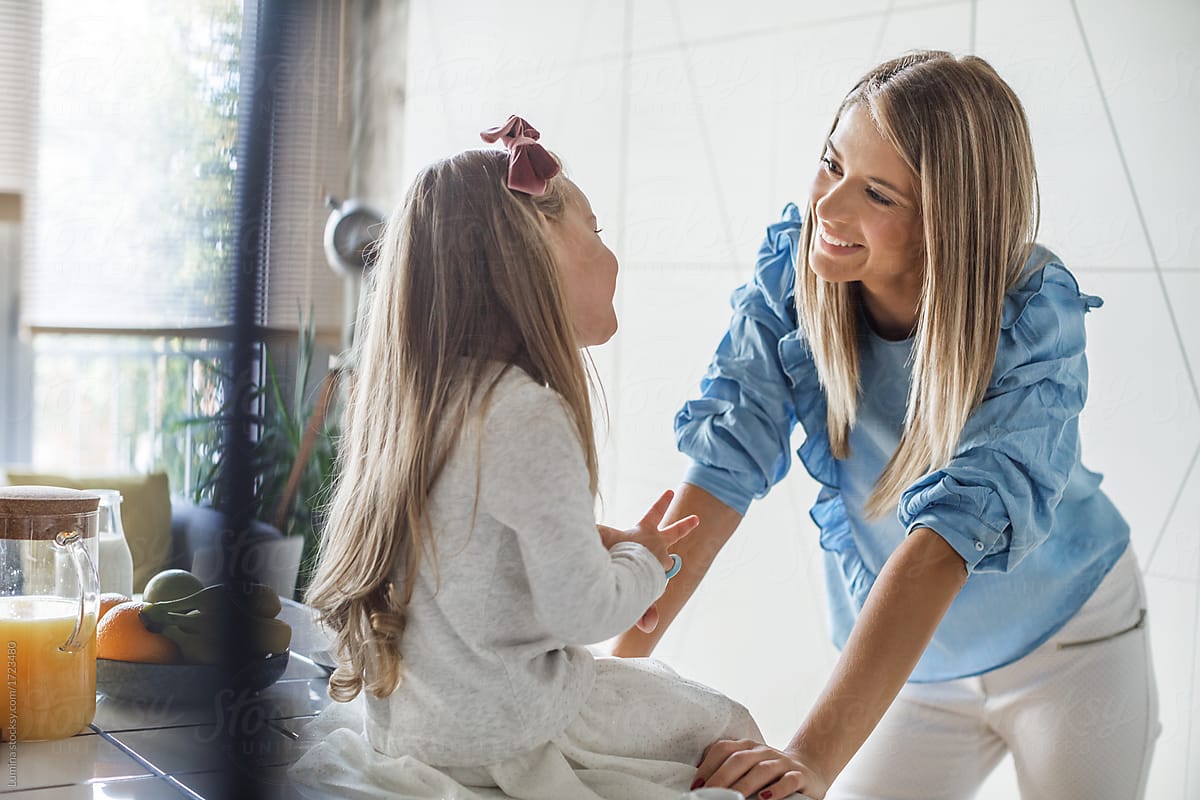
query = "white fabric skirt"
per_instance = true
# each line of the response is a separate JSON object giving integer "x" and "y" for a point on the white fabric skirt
{"x": 639, "y": 736}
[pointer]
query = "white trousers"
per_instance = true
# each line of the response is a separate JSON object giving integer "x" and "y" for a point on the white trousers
{"x": 1079, "y": 715}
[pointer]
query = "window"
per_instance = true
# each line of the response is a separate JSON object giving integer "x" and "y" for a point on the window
{"x": 132, "y": 216}
{"x": 128, "y": 231}
{"x": 116, "y": 404}
{"x": 131, "y": 227}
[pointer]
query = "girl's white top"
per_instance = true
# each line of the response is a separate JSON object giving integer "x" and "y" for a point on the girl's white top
{"x": 494, "y": 662}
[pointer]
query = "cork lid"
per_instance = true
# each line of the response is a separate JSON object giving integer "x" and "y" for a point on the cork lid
{"x": 41, "y": 512}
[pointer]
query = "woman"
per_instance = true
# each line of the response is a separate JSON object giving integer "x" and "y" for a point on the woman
{"x": 982, "y": 587}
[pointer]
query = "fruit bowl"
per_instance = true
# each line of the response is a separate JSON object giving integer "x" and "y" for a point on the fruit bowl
{"x": 187, "y": 684}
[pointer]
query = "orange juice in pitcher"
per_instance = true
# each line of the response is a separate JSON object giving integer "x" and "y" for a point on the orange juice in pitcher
{"x": 49, "y": 603}
{"x": 49, "y": 693}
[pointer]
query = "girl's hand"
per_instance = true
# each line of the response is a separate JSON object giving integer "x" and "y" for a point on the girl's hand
{"x": 649, "y": 535}
{"x": 757, "y": 771}
{"x": 655, "y": 539}
{"x": 649, "y": 620}
{"x": 609, "y": 537}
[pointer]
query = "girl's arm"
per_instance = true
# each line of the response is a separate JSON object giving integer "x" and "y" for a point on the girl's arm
{"x": 698, "y": 550}
{"x": 911, "y": 595}
{"x": 532, "y": 479}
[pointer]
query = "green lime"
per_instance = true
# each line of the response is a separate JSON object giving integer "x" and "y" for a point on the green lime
{"x": 171, "y": 584}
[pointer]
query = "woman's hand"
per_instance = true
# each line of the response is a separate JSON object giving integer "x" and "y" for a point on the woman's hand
{"x": 915, "y": 587}
{"x": 757, "y": 771}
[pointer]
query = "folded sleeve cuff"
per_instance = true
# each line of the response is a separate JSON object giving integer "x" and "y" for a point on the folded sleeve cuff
{"x": 977, "y": 543}
{"x": 720, "y": 485}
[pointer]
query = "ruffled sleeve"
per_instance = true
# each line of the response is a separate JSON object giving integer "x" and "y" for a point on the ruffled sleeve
{"x": 738, "y": 433}
{"x": 995, "y": 501}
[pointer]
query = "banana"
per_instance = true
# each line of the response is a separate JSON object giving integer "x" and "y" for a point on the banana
{"x": 270, "y": 635}
{"x": 195, "y": 648}
{"x": 258, "y": 600}
{"x": 210, "y": 598}
{"x": 201, "y": 623}
{"x": 266, "y": 636}
{"x": 197, "y": 622}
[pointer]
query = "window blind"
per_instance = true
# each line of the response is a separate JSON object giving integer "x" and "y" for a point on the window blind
{"x": 308, "y": 161}
{"x": 132, "y": 222}
{"x": 20, "y": 23}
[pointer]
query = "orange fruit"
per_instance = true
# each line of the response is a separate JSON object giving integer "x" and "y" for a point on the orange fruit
{"x": 110, "y": 599}
{"x": 121, "y": 636}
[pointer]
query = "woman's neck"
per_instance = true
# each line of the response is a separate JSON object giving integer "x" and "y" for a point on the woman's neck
{"x": 892, "y": 314}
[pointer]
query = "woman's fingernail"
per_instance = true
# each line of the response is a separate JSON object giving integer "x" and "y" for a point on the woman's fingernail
{"x": 696, "y": 784}
{"x": 765, "y": 795}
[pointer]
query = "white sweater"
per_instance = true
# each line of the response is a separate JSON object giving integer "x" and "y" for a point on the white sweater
{"x": 493, "y": 656}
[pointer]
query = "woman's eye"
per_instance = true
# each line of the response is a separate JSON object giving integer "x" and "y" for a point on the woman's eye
{"x": 829, "y": 164}
{"x": 878, "y": 198}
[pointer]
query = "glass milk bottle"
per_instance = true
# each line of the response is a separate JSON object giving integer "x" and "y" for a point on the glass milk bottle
{"x": 115, "y": 561}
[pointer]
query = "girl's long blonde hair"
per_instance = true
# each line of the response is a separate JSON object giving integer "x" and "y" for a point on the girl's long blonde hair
{"x": 464, "y": 279}
{"x": 963, "y": 133}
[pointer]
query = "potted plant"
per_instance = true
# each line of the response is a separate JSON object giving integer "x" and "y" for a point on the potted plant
{"x": 291, "y": 485}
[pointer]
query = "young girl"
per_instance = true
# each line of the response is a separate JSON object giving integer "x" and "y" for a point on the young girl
{"x": 462, "y": 571}
{"x": 981, "y": 585}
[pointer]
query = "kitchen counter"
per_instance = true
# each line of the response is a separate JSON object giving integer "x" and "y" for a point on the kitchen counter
{"x": 160, "y": 751}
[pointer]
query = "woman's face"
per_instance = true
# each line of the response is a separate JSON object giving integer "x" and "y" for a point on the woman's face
{"x": 868, "y": 219}
{"x": 587, "y": 269}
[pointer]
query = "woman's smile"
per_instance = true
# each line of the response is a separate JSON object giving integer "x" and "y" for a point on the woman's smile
{"x": 835, "y": 245}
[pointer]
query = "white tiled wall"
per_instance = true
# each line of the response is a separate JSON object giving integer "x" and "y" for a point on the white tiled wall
{"x": 689, "y": 124}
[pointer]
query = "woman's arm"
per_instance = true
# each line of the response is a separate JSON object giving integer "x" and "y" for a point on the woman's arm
{"x": 911, "y": 595}
{"x": 698, "y": 550}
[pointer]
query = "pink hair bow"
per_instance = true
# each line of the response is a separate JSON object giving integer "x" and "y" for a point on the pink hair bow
{"x": 529, "y": 164}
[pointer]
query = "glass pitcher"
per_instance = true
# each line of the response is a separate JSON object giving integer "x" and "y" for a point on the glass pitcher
{"x": 49, "y": 602}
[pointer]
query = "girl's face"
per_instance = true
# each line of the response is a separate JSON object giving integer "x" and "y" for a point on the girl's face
{"x": 868, "y": 220}
{"x": 587, "y": 269}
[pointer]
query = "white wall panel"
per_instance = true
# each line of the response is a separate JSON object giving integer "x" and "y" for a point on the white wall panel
{"x": 1141, "y": 425}
{"x": 1149, "y": 67}
{"x": 1088, "y": 214}
{"x": 668, "y": 23}
{"x": 669, "y": 328}
{"x": 926, "y": 27}
{"x": 698, "y": 178}
{"x": 1174, "y": 553}
{"x": 1183, "y": 292}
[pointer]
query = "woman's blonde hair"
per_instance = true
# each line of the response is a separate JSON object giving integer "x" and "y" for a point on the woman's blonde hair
{"x": 962, "y": 131}
{"x": 464, "y": 280}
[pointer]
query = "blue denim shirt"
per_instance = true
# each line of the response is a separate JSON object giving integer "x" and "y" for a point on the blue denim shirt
{"x": 1035, "y": 530}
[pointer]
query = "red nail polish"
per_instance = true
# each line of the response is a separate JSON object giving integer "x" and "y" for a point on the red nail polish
{"x": 696, "y": 784}
{"x": 765, "y": 795}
